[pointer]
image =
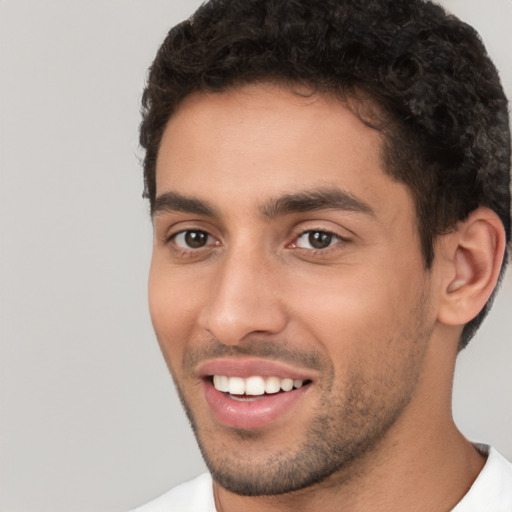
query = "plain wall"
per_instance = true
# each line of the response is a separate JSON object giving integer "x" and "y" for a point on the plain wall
{"x": 89, "y": 420}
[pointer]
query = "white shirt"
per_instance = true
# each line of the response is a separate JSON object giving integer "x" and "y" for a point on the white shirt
{"x": 490, "y": 492}
{"x": 193, "y": 496}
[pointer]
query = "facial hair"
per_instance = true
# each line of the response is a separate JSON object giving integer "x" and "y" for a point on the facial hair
{"x": 351, "y": 422}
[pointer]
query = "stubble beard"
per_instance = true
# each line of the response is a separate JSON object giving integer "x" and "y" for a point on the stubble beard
{"x": 335, "y": 440}
{"x": 351, "y": 425}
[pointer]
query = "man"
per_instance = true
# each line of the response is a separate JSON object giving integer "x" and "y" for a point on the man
{"x": 329, "y": 187}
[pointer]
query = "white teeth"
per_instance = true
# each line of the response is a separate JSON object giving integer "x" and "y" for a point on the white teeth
{"x": 221, "y": 383}
{"x": 236, "y": 386}
{"x": 272, "y": 385}
{"x": 287, "y": 384}
{"x": 255, "y": 385}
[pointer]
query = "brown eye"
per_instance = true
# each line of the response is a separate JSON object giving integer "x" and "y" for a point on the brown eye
{"x": 316, "y": 239}
{"x": 319, "y": 239}
{"x": 191, "y": 239}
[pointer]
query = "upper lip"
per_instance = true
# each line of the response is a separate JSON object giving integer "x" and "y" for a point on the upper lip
{"x": 249, "y": 367}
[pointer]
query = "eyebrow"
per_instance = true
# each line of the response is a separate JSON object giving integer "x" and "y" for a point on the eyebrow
{"x": 173, "y": 201}
{"x": 330, "y": 198}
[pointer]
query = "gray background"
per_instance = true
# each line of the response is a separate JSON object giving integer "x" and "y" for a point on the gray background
{"x": 88, "y": 417}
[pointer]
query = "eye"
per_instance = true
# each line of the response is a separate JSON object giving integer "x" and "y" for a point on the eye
{"x": 316, "y": 239}
{"x": 192, "y": 239}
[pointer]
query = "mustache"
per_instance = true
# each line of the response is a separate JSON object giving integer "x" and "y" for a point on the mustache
{"x": 263, "y": 349}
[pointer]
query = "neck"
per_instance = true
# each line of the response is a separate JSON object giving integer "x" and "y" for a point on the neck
{"x": 430, "y": 474}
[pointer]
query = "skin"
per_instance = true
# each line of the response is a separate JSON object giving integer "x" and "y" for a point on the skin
{"x": 376, "y": 331}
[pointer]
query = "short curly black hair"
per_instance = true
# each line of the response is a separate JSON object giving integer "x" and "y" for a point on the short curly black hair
{"x": 437, "y": 95}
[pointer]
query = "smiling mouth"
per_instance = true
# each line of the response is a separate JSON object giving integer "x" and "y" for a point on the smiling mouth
{"x": 250, "y": 394}
{"x": 255, "y": 387}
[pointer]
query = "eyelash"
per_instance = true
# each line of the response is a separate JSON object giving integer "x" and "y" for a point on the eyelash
{"x": 184, "y": 251}
{"x": 318, "y": 230}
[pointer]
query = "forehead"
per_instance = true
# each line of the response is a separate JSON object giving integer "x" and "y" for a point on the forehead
{"x": 265, "y": 140}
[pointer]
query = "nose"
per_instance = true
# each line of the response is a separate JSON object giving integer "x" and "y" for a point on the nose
{"x": 243, "y": 299}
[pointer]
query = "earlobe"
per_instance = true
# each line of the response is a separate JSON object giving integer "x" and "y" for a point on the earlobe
{"x": 474, "y": 257}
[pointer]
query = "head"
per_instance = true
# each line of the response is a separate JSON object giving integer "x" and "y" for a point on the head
{"x": 305, "y": 162}
{"x": 419, "y": 76}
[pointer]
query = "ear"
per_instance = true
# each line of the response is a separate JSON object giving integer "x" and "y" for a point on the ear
{"x": 471, "y": 261}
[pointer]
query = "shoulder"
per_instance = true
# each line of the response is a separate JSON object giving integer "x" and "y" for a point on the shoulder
{"x": 193, "y": 496}
{"x": 492, "y": 490}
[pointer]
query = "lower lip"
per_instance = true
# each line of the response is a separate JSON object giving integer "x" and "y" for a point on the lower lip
{"x": 251, "y": 414}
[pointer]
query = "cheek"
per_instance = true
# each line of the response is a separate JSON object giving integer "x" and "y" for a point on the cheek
{"x": 361, "y": 316}
{"x": 172, "y": 308}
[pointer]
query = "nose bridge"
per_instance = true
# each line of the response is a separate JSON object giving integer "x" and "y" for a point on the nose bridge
{"x": 243, "y": 298}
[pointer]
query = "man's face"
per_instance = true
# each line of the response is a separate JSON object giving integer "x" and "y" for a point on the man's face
{"x": 287, "y": 269}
